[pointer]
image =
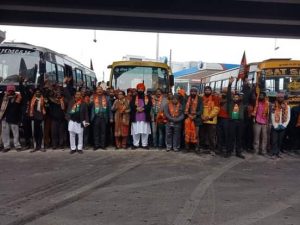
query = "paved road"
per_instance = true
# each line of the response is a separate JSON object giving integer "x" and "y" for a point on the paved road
{"x": 147, "y": 187}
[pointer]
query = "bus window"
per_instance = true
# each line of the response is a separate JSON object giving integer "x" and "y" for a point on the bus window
{"x": 225, "y": 83}
{"x": 218, "y": 86}
{"x": 60, "y": 73}
{"x": 78, "y": 73}
{"x": 50, "y": 72}
{"x": 84, "y": 80}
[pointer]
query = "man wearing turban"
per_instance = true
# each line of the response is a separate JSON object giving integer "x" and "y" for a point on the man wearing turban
{"x": 140, "y": 117}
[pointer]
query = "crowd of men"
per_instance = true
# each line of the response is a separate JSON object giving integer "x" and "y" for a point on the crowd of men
{"x": 223, "y": 123}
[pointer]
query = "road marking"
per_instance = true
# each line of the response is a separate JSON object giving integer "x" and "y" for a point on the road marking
{"x": 185, "y": 215}
{"x": 275, "y": 208}
{"x": 78, "y": 194}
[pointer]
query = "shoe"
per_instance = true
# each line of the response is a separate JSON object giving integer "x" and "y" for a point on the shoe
{"x": 176, "y": 150}
{"x": 32, "y": 150}
{"x": 133, "y": 147}
{"x": 278, "y": 156}
{"x": 95, "y": 148}
{"x": 43, "y": 150}
{"x": 80, "y": 151}
{"x": 240, "y": 156}
{"x": 260, "y": 153}
{"x": 168, "y": 149}
{"x": 72, "y": 151}
{"x": 53, "y": 147}
{"x": 26, "y": 147}
{"x": 146, "y": 147}
{"x": 18, "y": 149}
{"x": 6, "y": 150}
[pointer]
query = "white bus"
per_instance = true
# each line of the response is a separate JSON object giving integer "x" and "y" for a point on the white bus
{"x": 35, "y": 64}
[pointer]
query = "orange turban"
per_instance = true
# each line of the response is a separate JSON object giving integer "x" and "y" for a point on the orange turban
{"x": 140, "y": 86}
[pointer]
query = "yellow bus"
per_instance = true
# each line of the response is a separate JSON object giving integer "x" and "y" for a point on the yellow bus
{"x": 280, "y": 75}
{"x": 127, "y": 74}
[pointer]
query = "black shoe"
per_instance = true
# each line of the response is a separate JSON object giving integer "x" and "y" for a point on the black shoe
{"x": 146, "y": 147}
{"x": 33, "y": 150}
{"x": 133, "y": 147}
{"x": 18, "y": 149}
{"x": 239, "y": 155}
{"x": 72, "y": 151}
{"x": 168, "y": 149}
{"x": 6, "y": 150}
{"x": 95, "y": 148}
{"x": 26, "y": 147}
{"x": 260, "y": 153}
{"x": 80, "y": 151}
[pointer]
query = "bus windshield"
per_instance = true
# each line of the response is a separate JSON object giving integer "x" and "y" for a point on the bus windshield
{"x": 15, "y": 62}
{"x": 129, "y": 76}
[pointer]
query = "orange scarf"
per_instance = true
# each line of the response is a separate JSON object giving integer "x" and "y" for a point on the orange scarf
{"x": 191, "y": 103}
{"x": 278, "y": 108}
{"x": 190, "y": 131}
{"x": 42, "y": 105}
{"x": 157, "y": 102}
{"x": 174, "y": 110}
{"x": 76, "y": 106}
{"x": 208, "y": 102}
{"x": 97, "y": 102}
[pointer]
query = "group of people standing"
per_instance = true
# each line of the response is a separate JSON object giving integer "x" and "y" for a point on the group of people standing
{"x": 216, "y": 123}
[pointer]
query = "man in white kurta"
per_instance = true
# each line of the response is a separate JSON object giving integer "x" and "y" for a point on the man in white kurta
{"x": 140, "y": 127}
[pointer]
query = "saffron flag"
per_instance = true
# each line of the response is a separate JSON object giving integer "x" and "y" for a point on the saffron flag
{"x": 243, "y": 68}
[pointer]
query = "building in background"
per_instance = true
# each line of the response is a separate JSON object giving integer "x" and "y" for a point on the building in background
{"x": 193, "y": 73}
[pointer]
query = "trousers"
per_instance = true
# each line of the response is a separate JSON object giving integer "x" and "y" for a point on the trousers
{"x": 6, "y": 128}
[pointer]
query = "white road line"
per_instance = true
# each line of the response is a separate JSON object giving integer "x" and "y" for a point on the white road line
{"x": 185, "y": 215}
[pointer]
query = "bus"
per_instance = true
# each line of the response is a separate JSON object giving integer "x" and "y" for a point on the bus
{"x": 280, "y": 75}
{"x": 218, "y": 81}
{"x": 127, "y": 74}
{"x": 36, "y": 64}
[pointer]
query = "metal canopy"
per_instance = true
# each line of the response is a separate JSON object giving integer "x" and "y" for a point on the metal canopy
{"x": 267, "y": 18}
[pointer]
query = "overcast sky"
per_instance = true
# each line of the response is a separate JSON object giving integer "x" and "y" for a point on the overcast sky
{"x": 113, "y": 45}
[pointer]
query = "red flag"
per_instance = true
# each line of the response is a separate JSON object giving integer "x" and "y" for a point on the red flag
{"x": 243, "y": 68}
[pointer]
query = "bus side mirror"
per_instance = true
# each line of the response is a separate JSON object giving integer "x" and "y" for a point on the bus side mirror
{"x": 171, "y": 80}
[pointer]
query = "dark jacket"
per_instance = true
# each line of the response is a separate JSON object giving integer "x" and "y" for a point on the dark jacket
{"x": 55, "y": 111}
{"x": 108, "y": 115}
{"x": 147, "y": 109}
{"x": 175, "y": 120}
{"x": 12, "y": 113}
{"x": 230, "y": 105}
{"x": 84, "y": 115}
